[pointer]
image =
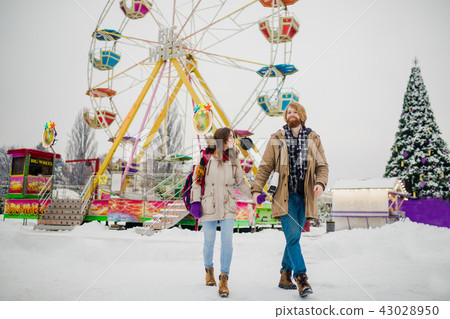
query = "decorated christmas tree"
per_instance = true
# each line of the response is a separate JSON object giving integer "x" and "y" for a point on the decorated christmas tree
{"x": 420, "y": 157}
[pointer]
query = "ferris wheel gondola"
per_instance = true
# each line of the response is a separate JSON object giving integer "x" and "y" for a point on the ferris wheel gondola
{"x": 271, "y": 95}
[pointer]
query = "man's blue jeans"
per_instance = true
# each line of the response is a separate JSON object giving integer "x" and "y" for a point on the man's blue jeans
{"x": 226, "y": 241}
{"x": 293, "y": 224}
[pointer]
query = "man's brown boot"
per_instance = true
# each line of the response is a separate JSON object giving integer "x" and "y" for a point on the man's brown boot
{"x": 285, "y": 280}
{"x": 223, "y": 285}
{"x": 304, "y": 289}
{"x": 210, "y": 281}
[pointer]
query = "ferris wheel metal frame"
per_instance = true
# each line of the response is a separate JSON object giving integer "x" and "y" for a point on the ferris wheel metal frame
{"x": 178, "y": 49}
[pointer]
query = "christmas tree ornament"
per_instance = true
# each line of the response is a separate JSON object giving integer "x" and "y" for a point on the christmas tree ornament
{"x": 424, "y": 160}
{"x": 429, "y": 152}
{"x": 423, "y": 184}
{"x": 420, "y": 177}
{"x": 405, "y": 154}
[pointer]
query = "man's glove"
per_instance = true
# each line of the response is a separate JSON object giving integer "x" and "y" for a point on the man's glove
{"x": 261, "y": 199}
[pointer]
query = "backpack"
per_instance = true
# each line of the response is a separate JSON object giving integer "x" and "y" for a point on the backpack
{"x": 186, "y": 193}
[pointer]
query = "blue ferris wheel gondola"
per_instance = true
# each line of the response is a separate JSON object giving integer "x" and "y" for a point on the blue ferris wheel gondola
{"x": 277, "y": 70}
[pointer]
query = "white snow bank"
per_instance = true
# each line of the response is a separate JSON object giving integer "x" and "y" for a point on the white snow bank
{"x": 401, "y": 261}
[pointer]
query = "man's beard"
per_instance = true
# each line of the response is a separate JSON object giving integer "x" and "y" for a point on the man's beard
{"x": 293, "y": 122}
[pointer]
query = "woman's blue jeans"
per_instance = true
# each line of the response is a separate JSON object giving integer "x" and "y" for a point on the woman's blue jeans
{"x": 293, "y": 224}
{"x": 226, "y": 241}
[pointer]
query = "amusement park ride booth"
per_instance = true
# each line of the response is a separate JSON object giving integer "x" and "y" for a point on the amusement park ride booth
{"x": 31, "y": 175}
{"x": 365, "y": 203}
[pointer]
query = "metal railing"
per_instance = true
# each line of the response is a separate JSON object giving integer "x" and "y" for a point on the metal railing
{"x": 85, "y": 198}
{"x": 166, "y": 200}
{"x": 44, "y": 195}
{"x": 163, "y": 182}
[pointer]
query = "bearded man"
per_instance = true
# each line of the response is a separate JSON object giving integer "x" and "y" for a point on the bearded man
{"x": 295, "y": 152}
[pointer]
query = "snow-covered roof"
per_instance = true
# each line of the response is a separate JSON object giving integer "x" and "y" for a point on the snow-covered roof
{"x": 355, "y": 183}
{"x": 65, "y": 193}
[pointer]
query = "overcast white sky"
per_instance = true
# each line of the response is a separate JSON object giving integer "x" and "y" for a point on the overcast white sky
{"x": 353, "y": 92}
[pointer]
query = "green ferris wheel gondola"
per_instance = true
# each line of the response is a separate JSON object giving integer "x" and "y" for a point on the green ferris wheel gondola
{"x": 181, "y": 158}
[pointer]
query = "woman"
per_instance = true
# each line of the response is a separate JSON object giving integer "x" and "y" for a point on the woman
{"x": 218, "y": 203}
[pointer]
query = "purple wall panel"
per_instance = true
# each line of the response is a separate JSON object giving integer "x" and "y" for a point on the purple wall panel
{"x": 428, "y": 211}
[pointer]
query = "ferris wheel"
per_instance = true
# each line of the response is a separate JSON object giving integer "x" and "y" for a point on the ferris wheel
{"x": 147, "y": 57}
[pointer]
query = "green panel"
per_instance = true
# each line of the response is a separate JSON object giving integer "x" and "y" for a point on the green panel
{"x": 241, "y": 223}
{"x": 20, "y": 196}
{"x": 20, "y": 216}
{"x": 191, "y": 222}
{"x": 88, "y": 218}
{"x": 265, "y": 215}
{"x": 14, "y": 196}
{"x": 31, "y": 196}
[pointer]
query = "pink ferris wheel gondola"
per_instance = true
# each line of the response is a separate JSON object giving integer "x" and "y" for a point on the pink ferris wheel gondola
{"x": 275, "y": 3}
{"x": 288, "y": 27}
{"x": 137, "y": 10}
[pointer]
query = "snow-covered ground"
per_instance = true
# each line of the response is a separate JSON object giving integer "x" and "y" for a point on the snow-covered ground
{"x": 401, "y": 261}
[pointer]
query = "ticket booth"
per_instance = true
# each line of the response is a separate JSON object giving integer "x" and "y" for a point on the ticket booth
{"x": 30, "y": 171}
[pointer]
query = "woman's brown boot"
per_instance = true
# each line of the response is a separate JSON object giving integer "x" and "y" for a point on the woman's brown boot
{"x": 223, "y": 285}
{"x": 210, "y": 281}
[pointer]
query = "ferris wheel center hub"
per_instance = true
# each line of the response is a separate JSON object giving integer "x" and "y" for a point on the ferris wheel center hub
{"x": 169, "y": 47}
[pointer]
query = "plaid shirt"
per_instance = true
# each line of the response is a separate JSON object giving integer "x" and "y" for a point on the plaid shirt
{"x": 298, "y": 151}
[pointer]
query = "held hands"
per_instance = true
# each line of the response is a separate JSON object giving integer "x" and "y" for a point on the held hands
{"x": 259, "y": 198}
{"x": 252, "y": 211}
{"x": 318, "y": 190}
